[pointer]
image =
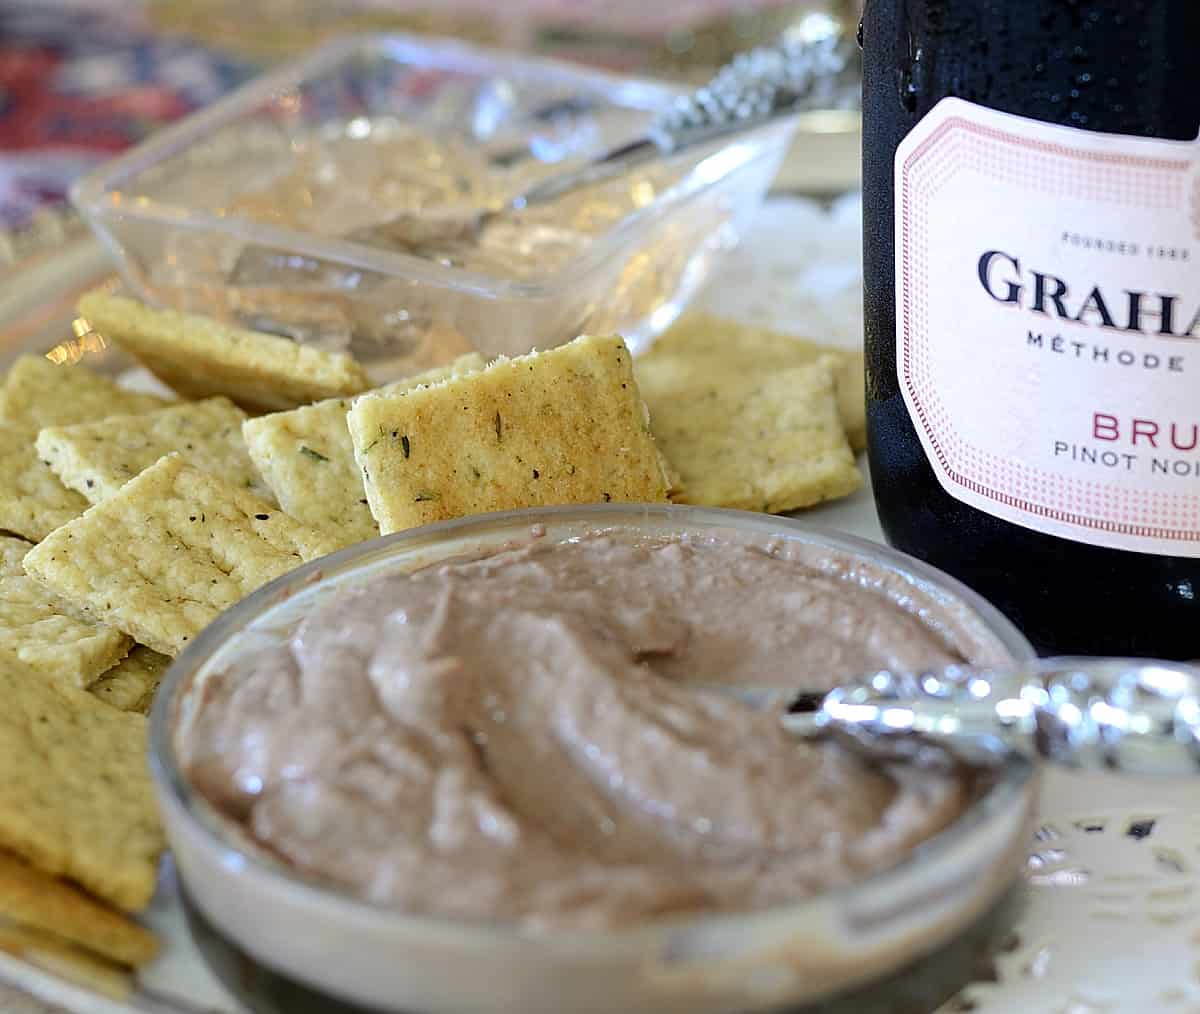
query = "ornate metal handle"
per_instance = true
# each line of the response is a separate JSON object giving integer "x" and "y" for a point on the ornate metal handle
{"x": 756, "y": 86}
{"x": 760, "y": 85}
{"x": 1124, "y": 715}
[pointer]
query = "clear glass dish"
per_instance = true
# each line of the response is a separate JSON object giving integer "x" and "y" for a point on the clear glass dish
{"x": 254, "y": 210}
{"x": 359, "y": 956}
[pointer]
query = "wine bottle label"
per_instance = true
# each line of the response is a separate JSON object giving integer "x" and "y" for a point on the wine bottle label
{"x": 1048, "y": 324}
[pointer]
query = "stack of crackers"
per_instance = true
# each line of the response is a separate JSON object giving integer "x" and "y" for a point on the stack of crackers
{"x": 133, "y": 520}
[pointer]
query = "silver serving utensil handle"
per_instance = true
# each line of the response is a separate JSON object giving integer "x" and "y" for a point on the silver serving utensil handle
{"x": 1131, "y": 716}
{"x": 753, "y": 89}
{"x": 761, "y": 84}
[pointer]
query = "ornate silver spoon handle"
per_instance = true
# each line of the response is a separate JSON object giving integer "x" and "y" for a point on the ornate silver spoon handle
{"x": 1123, "y": 715}
{"x": 754, "y": 88}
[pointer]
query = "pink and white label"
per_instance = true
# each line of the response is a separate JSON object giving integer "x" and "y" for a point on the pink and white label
{"x": 1048, "y": 324}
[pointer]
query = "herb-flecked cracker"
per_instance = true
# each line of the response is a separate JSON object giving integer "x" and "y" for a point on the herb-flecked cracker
{"x": 97, "y": 458}
{"x": 38, "y": 636}
{"x": 716, "y": 345}
{"x": 32, "y": 898}
{"x": 130, "y": 685}
{"x": 307, "y": 458}
{"x": 169, "y": 551}
{"x": 37, "y": 393}
{"x": 757, "y": 441}
{"x": 559, "y": 427}
{"x": 75, "y": 799}
{"x": 200, "y": 357}
{"x": 32, "y": 500}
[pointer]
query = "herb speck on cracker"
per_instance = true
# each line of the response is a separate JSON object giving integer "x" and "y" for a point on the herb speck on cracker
{"x": 97, "y": 458}
{"x": 765, "y": 441}
{"x": 171, "y": 549}
{"x": 307, "y": 458}
{"x": 566, "y": 426}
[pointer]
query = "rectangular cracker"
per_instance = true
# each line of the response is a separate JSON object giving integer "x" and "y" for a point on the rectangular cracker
{"x": 75, "y": 799}
{"x": 97, "y": 458}
{"x": 169, "y": 551}
{"x": 32, "y": 500}
{"x": 130, "y": 685}
{"x": 200, "y": 357}
{"x": 66, "y": 961}
{"x": 38, "y": 636}
{"x": 558, "y": 427}
{"x": 33, "y": 899}
{"x": 757, "y": 441}
{"x": 37, "y": 393}
{"x": 307, "y": 458}
{"x": 743, "y": 348}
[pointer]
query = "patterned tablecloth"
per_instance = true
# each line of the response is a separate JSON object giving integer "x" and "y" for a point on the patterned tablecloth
{"x": 80, "y": 81}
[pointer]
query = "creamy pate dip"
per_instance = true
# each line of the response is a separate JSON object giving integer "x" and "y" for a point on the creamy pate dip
{"x": 522, "y": 737}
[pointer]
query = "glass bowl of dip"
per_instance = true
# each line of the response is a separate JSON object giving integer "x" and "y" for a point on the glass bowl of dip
{"x": 899, "y": 940}
{"x": 271, "y": 208}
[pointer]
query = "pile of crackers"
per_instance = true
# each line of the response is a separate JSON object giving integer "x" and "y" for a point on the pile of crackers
{"x": 135, "y": 519}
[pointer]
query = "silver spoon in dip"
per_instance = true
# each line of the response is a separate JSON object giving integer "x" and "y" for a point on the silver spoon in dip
{"x": 1127, "y": 716}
